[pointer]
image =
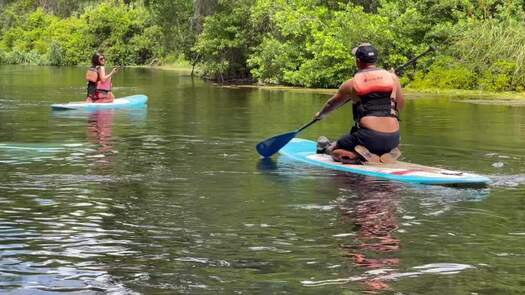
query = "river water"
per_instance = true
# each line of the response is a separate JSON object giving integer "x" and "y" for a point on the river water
{"x": 173, "y": 198}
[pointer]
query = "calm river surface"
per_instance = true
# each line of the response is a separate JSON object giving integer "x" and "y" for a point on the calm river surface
{"x": 173, "y": 198}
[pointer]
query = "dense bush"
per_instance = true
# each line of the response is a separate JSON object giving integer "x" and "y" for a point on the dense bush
{"x": 501, "y": 77}
{"x": 446, "y": 72}
{"x": 487, "y": 52}
{"x": 309, "y": 44}
{"x": 225, "y": 43}
{"x": 125, "y": 33}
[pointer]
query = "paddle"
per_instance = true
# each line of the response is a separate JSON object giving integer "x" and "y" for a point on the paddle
{"x": 399, "y": 70}
{"x": 272, "y": 145}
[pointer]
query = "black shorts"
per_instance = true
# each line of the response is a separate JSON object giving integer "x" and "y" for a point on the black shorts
{"x": 375, "y": 141}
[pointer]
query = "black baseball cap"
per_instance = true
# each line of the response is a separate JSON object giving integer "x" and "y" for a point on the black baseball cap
{"x": 366, "y": 53}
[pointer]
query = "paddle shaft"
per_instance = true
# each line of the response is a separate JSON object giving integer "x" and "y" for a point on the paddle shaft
{"x": 307, "y": 125}
{"x": 399, "y": 70}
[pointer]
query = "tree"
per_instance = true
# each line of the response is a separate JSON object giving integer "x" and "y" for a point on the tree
{"x": 202, "y": 9}
{"x": 174, "y": 17}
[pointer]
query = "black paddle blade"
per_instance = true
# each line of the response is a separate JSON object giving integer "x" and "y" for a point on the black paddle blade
{"x": 272, "y": 145}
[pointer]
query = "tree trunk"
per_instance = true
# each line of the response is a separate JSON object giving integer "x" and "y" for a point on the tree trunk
{"x": 202, "y": 9}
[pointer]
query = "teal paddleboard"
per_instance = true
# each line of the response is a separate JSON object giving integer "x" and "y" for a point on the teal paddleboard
{"x": 303, "y": 150}
{"x": 123, "y": 102}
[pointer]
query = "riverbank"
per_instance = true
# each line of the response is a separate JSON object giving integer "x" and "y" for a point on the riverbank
{"x": 181, "y": 67}
{"x": 456, "y": 93}
{"x": 496, "y": 97}
{"x": 469, "y": 94}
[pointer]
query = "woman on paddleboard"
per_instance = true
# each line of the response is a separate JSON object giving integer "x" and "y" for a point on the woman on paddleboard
{"x": 99, "y": 84}
{"x": 376, "y": 99}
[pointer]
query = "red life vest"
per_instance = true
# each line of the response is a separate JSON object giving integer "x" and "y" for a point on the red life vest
{"x": 94, "y": 85}
{"x": 373, "y": 80}
{"x": 374, "y": 87}
{"x": 104, "y": 86}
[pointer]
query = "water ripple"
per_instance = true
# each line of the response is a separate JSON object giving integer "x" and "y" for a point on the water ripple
{"x": 387, "y": 274}
{"x": 509, "y": 181}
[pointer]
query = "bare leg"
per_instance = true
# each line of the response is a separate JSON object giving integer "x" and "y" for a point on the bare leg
{"x": 391, "y": 157}
{"x": 106, "y": 98}
{"x": 344, "y": 156}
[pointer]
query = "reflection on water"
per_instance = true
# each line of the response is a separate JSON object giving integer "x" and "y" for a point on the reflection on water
{"x": 267, "y": 165}
{"x": 375, "y": 215}
{"x": 377, "y": 218}
{"x": 53, "y": 237}
{"x": 373, "y": 210}
{"x": 99, "y": 132}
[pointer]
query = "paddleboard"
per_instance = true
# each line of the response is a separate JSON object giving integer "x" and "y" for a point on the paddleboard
{"x": 303, "y": 150}
{"x": 123, "y": 102}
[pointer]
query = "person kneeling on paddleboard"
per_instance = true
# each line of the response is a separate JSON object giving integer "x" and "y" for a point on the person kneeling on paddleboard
{"x": 376, "y": 99}
{"x": 99, "y": 84}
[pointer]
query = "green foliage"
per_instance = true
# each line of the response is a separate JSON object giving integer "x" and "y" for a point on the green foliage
{"x": 500, "y": 77}
{"x": 446, "y": 73}
{"x": 29, "y": 34}
{"x": 146, "y": 47}
{"x": 117, "y": 30}
{"x": 55, "y": 54}
{"x": 3, "y": 57}
{"x": 173, "y": 17}
{"x": 125, "y": 33}
{"x": 310, "y": 45}
{"x": 21, "y": 57}
{"x": 493, "y": 47}
{"x": 273, "y": 60}
{"x": 70, "y": 35}
{"x": 225, "y": 42}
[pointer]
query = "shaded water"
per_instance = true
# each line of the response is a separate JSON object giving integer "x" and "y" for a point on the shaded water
{"x": 173, "y": 199}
